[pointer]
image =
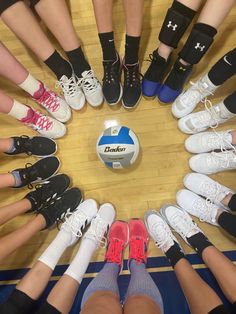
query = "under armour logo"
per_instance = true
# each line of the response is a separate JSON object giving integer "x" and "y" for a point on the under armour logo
{"x": 198, "y": 46}
{"x": 170, "y": 25}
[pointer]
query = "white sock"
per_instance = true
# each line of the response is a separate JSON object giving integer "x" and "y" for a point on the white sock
{"x": 30, "y": 85}
{"x": 18, "y": 110}
{"x": 225, "y": 113}
{"x": 80, "y": 263}
{"x": 52, "y": 254}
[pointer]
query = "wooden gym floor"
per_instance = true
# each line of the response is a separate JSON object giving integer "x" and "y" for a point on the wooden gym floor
{"x": 163, "y": 162}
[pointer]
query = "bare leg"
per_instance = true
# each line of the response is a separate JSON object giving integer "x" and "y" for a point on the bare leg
{"x": 104, "y": 21}
{"x": 21, "y": 21}
{"x": 6, "y": 103}
{"x": 56, "y": 16}
{"x": 10, "y": 211}
{"x": 7, "y": 180}
{"x": 10, "y": 242}
{"x": 140, "y": 304}
{"x": 134, "y": 16}
{"x": 195, "y": 289}
{"x": 102, "y": 302}
{"x": 10, "y": 67}
{"x": 223, "y": 270}
{"x": 5, "y": 144}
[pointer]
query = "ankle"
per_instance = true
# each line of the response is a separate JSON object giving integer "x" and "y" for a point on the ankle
{"x": 227, "y": 199}
{"x": 183, "y": 62}
{"x": 219, "y": 212}
{"x": 233, "y": 134}
{"x": 164, "y": 51}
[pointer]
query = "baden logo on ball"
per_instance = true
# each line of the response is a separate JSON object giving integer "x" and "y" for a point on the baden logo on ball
{"x": 118, "y": 147}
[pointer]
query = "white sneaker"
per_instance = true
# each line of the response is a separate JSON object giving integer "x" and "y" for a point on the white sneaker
{"x": 180, "y": 221}
{"x": 72, "y": 92}
{"x": 188, "y": 100}
{"x": 206, "y": 187}
{"x": 197, "y": 206}
{"x": 76, "y": 221}
{"x": 55, "y": 105}
{"x": 100, "y": 225}
{"x": 159, "y": 231}
{"x": 92, "y": 88}
{"x": 209, "y": 163}
{"x": 205, "y": 142}
{"x": 202, "y": 120}
{"x": 43, "y": 124}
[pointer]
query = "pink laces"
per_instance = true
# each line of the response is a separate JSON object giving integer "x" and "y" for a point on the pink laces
{"x": 114, "y": 252}
{"x": 37, "y": 120}
{"x": 138, "y": 250}
{"x": 49, "y": 100}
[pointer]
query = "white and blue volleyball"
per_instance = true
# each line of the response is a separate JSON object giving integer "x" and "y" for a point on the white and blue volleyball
{"x": 118, "y": 147}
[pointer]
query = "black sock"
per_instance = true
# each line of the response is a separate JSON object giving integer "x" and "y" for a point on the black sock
{"x": 58, "y": 65}
{"x": 228, "y": 222}
{"x": 78, "y": 61}
{"x": 108, "y": 45}
{"x": 232, "y": 203}
{"x": 230, "y": 102}
{"x": 220, "y": 309}
{"x": 234, "y": 307}
{"x": 224, "y": 68}
{"x": 131, "y": 49}
{"x": 178, "y": 75}
{"x": 174, "y": 254}
{"x": 199, "y": 242}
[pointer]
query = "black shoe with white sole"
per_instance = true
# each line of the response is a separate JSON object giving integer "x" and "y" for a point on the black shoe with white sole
{"x": 66, "y": 203}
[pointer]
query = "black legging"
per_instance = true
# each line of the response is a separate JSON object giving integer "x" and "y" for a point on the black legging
{"x": 5, "y": 4}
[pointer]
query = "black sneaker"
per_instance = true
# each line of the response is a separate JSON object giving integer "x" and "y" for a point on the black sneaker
{"x": 66, "y": 203}
{"x": 132, "y": 86}
{"x": 174, "y": 83}
{"x": 155, "y": 74}
{"x": 38, "y": 145}
{"x": 40, "y": 171}
{"x": 47, "y": 191}
{"x": 111, "y": 87}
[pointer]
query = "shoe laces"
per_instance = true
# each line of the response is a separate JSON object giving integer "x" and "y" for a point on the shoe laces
{"x": 69, "y": 86}
{"x": 110, "y": 72}
{"x": 76, "y": 221}
{"x": 98, "y": 229}
{"x": 22, "y": 144}
{"x": 220, "y": 139}
{"x": 162, "y": 234}
{"x": 132, "y": 75}
{"x": 115, "y": 248}
{"x": 138, "y": 249}
{"x": 49, "y": 100}
{"x": 182, "y": 224}
{"x": 223, "y": 160}
{"x": 38, "y": 121}
{"x": 213, "y": 189}
{"x": 29, "y": 172}
{"x": 204, "y": 213}
{"x": 40, "y": 189}
{"x": 200, "y": 89}
{"x": 89, "y": 82}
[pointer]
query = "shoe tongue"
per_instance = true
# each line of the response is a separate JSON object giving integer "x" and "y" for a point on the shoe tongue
{"x": 64, "y": 79}
{"x": 30, "y": 114}
{"x": 158, "y": 57}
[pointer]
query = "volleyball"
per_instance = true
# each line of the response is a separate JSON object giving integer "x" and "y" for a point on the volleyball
{"x": 118, "y": 147}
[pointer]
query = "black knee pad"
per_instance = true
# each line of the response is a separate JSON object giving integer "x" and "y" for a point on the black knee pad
{"x": 176, "y": 22}
{"x": 219, "y": 310}
{"x": 18, "y": 303}
{"x": 5, "y": 4}
{"x": 196, "y": 45}
{"x": 47, "y": 308}
{"x": 33, "y": 2}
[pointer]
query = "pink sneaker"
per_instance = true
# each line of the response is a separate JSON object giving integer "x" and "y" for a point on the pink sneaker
{"x": 138, "y": 242}
{"x": 118, "y": 238}
{"x": 55, "y": 105}
{"x": 45, "y": 125}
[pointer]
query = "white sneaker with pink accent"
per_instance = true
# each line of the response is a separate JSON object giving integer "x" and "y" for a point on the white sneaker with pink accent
{"x": 55, "y": 105}
{"x": 45, "y": 125}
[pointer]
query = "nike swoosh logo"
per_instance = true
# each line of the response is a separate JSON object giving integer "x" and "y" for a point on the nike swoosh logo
{"x": 225, "y": 59}
{"x": 111, "y": 40}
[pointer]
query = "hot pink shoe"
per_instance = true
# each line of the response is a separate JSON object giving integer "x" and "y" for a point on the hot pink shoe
{"x": 45, "y": 125}
{"x": 138, "y": 242}
{"x": 55, "y": 105}
{"x": 118, "y": 238}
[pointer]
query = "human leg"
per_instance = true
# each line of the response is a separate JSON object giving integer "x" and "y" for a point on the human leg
{"x": 176, "y": 22}
{"x": 197, "y": 44}
{"x": 102, "y": 294}
{"x": 7, "y": 180}
{"x": 193, "y": 286}
{"x": 142, "y": 290}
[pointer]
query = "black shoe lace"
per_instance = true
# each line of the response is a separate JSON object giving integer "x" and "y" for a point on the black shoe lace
{"x": 132, "y": 76}
{"x": 40, "y": 189}
{"x": 23, "y": 145}
{"x": 29, "y": 173}
{"x": 110, "y": 73}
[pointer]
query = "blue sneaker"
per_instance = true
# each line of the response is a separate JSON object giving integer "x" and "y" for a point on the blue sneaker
{"x": 152, "y": 80}
{"x": 173, "y": 85}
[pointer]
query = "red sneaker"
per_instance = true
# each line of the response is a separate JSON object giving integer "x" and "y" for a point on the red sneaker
{"x": 138, "y": 242}
{"x": 118, "y": 238}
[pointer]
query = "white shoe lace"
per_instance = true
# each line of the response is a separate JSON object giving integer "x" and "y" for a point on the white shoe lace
{"x": 98, "y": 229}
{"x": 69, "y": 87}
{"x": 223, "y": 160}
{"x": 220, "y": 140}
{"x": 183, "y": 225}
{"x": 203, "y": 213}
{"x": 213, "y": 191}
{"x": 89, "y": 82}
{"x": 200, "y": 89}
{"x": 162, "y": 234}
{"x": 76, "y": 222}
